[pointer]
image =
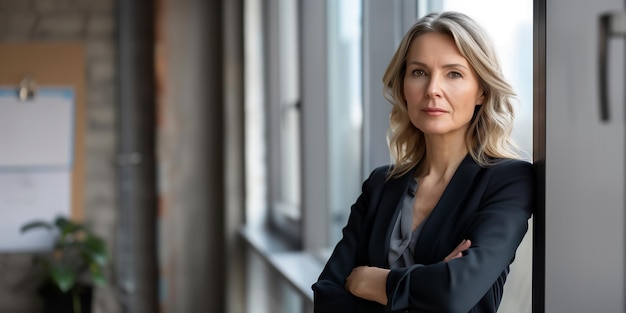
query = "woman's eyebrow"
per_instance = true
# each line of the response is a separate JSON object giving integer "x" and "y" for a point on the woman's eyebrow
{"x": 418, "y": 63}
{"x": 451, "y": 65}
{"x": 455, "y": 65}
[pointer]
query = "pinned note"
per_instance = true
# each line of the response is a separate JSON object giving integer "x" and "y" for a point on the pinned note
{"x": 36, "y": 156}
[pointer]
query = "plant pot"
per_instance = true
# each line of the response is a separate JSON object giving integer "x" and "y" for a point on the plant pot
{"x": 56, "y": 301}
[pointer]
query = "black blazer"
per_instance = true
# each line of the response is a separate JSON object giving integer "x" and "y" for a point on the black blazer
{"x": 490, "y": 206}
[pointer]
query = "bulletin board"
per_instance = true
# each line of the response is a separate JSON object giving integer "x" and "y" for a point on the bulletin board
{"x": 54, "y": 118}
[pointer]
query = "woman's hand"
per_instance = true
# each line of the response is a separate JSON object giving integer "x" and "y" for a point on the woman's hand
{"x": 458, "y": 251}
{"x": 368, "y": 283}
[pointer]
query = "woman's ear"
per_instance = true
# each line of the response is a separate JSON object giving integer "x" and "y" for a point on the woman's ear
{"x": 481, "y": 98}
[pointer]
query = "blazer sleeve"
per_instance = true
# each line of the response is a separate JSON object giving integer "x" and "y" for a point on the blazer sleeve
{"x": 496, "y": 229}
{"x": 329, "y": 293}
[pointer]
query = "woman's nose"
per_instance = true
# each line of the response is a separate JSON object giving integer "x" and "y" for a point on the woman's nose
{"x": 434, "y": 88}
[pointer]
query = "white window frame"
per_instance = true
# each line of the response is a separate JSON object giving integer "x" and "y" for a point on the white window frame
{"x": 284, "y": 211}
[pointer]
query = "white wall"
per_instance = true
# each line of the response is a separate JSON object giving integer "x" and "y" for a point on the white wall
{"x": 584, "y": 211}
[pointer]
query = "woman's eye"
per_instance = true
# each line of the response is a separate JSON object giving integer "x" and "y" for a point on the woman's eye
{"x": 419, "y": 73}
{"x": 455, "y": 75}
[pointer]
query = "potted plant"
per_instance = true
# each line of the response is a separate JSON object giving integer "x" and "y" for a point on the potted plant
{"x": 74, "y": 266}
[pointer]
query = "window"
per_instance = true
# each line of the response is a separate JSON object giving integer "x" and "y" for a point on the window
{"x": 283, "y": 120}
{"x": 345, "y": 117}
{"x": 314, "y": 118}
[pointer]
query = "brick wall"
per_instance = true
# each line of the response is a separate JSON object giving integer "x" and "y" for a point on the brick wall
{"x": 93, "y": 23}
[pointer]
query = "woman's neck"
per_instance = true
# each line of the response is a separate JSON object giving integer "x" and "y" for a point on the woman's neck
{"x": 443, "y": 156}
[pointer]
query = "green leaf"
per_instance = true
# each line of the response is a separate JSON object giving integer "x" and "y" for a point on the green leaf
{"x": 35, "y": 224}
{"x": 62, "y": 276}
{"x": 95, "y": 244}
{"x": 77, "y": 252}
{"x": 97, "y": 275}
{"x": 94, "y": 249}
{"x": 66, "y": 226}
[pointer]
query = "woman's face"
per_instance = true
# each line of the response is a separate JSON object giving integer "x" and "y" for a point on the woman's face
{"x": 440, "y": 87}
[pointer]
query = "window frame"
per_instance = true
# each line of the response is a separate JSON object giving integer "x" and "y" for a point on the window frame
{"x": 379, "y": 38}
{"x": 279, "y": 215}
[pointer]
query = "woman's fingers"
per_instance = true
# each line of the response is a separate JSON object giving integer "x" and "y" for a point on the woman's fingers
{"x": 458, "y": 251}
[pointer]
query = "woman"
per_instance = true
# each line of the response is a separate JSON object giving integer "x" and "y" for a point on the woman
{"x": 437, "y": 230}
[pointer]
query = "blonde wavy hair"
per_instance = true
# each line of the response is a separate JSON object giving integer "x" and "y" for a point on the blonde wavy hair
{"x": 489, "y": 135}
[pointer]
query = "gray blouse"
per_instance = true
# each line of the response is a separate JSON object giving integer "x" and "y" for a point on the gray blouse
{"x": 403, "y": 239}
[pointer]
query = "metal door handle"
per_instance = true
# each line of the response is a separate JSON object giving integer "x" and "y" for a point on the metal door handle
{"x": 611, "y": 24}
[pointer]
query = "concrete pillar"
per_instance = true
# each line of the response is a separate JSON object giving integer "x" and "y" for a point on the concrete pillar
{"x": 136, "y": 257}
{"x": 191, "y": 156}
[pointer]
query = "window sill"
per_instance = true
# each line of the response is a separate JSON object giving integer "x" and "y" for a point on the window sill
{"x": 299, "y": 268}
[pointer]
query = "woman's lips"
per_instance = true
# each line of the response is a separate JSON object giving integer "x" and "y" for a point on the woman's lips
{"x": 434, "y": 111}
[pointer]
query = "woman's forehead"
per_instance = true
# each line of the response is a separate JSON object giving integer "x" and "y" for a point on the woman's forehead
{"x": 435, "y": 46}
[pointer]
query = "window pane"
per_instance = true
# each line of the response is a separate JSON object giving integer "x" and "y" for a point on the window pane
{"x": 289, "y": 97}
{"x": 344, "y": 110}
{"x": 256, "y": 190}
{"x": 510, "y": 25}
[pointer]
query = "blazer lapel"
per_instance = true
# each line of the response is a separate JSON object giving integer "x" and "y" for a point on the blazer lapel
{"x": 451, "y": 199}
{"x": 386, "y": 215}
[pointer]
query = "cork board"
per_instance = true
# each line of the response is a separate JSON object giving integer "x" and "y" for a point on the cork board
{"x": 54, "y": 65}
